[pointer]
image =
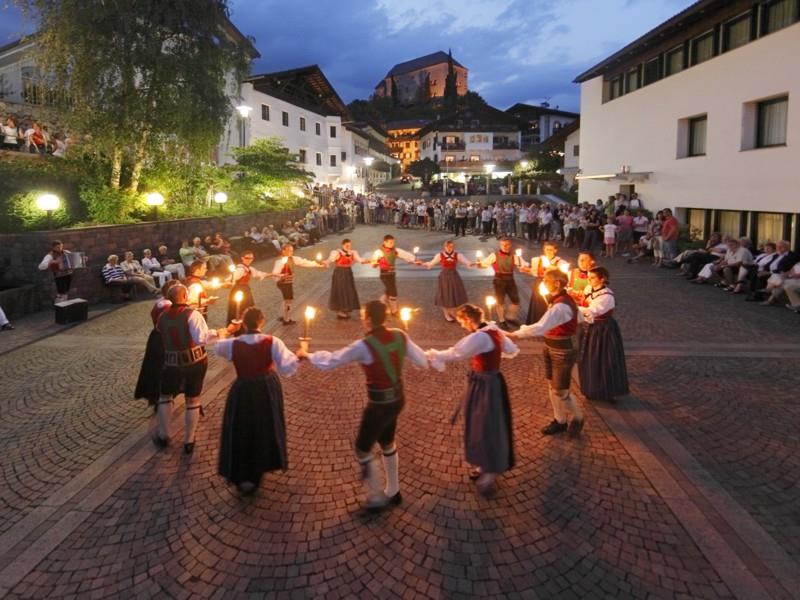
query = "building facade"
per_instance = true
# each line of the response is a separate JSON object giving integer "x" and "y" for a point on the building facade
{"x": 701, "y": 115}
{"x": 542, "y": 122}
{"x": 422, "y": 78}
{"x": 404, "y": 142}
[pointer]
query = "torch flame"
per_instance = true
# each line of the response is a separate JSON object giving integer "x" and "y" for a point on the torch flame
{"x": 232, "y": 269}
{"x": 416, "y": 249}
{"x": 405, "y": 314}
{"x": 311, "y": 312}
{"x": 215, "y": 282}
{"x": 237, "y": 297}
{"x": 519, "y": 252}
{"x": 319, "y": 256}
{"x": 543, "y": 289}
{"x": 479, "y": 255}
{"x": 564, "y": 268}
{"x": 490, "y": 301}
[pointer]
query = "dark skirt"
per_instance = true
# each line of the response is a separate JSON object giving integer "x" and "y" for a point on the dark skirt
{"x": 488, "y": 439}
{"x": 247, "y": 300}
{"x": 344, "y": 296}
{"x": 601, "y": 361}
{"x": 253, "y": 430}
{"x": 537, "y": 306}
{"x": 149, "y": 383}
{"x": 450, "y": 293}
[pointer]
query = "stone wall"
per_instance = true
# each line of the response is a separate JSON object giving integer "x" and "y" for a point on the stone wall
{"x": 21, "y": 253}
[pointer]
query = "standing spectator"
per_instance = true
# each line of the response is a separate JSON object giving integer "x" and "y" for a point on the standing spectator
{"x": 610, "y": 236}
{"x": 669, "y": 236}
{"x": 640, "y": 224}
{"x": 624, "y": 232}
{"x": 545, "y": 222}
{"x": 56, "y": 261}
{"x": 591, "y": 231}
{"x": 655, "y": 233}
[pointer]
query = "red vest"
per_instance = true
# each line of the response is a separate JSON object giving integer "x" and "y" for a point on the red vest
{"x": 488, "y": 361}
{"x": 287, "y": 271}
{"x": 503, "y": 264}
{"x": 244, "y": 279}
{"x": 174, "y": 327}
{"x": 252, "y": 360}
{"x": 387, "y": 259}
{"x": 157, "y": 311}
{"x": 345, "y": 259}
{"x": 449, "y": 261}
{"x": 569, "y": 328}
{"x": 391, "y": 357}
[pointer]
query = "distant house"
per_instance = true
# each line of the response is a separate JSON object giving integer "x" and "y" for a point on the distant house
{"x": 567, "y": 142}
{"x": 542, "y": 121}
{"x": 404, "y": 140}
{"x": 411, "y": 78}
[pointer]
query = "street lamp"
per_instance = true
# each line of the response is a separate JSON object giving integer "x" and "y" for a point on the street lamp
{"x": 155, "y": 200}
{"x": 48, "y": 203}
{"x": 220, "y": 198}
{"x": 244, "y": 112}
{"x": 523, "y": 164}
{"x": 368, "y": 160}
{"x": 488, "y": 168}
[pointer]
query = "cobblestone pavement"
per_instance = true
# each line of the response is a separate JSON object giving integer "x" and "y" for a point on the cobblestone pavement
{"x": 688, "y": 488}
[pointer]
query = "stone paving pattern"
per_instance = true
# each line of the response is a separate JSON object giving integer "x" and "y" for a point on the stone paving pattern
{"x": 574, "y": 518}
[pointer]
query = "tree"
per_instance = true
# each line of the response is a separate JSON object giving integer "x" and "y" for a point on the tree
{"x": 395, "y": 94}
{"x": 139, "y": 73}
{"x": 450, "y": 88}
{"x": 545, "y": 161}
{"x": 424, "y": 169}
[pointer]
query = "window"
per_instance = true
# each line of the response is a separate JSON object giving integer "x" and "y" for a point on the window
{"x": 615, "y": 91}
{"x": 474, "y": 158}
{"x": 779, "y": 14}
{"x": 264, "y": 112}
{"x": 697, "y": 223}
{"x": 697, "y": 136}
{"x": 318, "y": 128}
{"x": 344, "y": 156}
{"x": 730, "y": 223}
{"x": 652, "y": 71}
{"x": 703, "y": 48}
{"x": 302, "y": 123}
{"x": 771, "y": 122}
{"x": 319, "y": 159}
{"x": 333, "y": 160}
{"x": 302, "y": 156}
{"x": 333, "y": 131}
{"x": 449, "y": 158}
{"x": 736, "y": 32}
{"x": 632, "y": 80}
{"x": 674, "y": 61}
{"x": 576, "y": 150}
{"x": 285, "y": 118}
{"x": 770, "y": 227}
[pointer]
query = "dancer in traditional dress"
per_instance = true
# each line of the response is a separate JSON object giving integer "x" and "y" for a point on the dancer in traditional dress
{"x": 539, "y": 266}
{"x": 504, "y": 263}
{"x": 196, "y": 287}
{"x": 385, "y": 258}
{"x": 241, "y": 283}
{"x": 284, "y": 271}
{"x": 558, "y": 326}
{"x": 601, "y": 361}
{"x": 57, "y": 262}
{"x": 382, "y": 354}
{"x": 185, "y": 335}
{"x": 488, "y": 438}
{"x": 579, "y": 276}
{"x": 253, "y": 426}
{"x": 450, "y": 292}
{"x": 148, "y": 385}
{"x": 344, "y": 296}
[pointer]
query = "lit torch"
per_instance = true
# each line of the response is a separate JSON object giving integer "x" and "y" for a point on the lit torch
{"x": 564, "y": 268}
{"x": 238, "y": 297}
{"x": 490, "y": 302}
{"x": 405, "y": 316}
{"x": 543, "y": 291}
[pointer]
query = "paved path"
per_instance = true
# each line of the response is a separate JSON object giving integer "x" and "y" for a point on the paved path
{"x": 688, "y": 488}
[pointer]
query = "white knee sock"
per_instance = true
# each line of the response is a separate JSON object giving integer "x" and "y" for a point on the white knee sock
{"x": 558, "y": 408}
{"x": 392, "y": 304}
{"x": 191, "y": 419}
{"x": 163, "y": 415}
{"x": 287, "y": 310}
{"x": 369, "y": 473}
{"x": 390, "y": 465}
{"x": 571, "y": 404}
{"x": 501, "y": 312}
{"x": 513, "y": 310}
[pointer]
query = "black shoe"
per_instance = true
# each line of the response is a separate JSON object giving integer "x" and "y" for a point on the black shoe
{"x": 395, "y": 500}
{"x": 289, "y": 322}
{"x": 554, "y": 427}
{"x": 575, "y": 426}
{"x": 474, "y": 473}
{"x": 247, "y": 488}
{"x": 160, "y": 442}
{"x": 188, "y": 448}
{"x": 7, "y": 327}
{"x": 503, "y": 325}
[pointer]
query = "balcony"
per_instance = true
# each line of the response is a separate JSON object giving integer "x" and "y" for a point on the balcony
{"x": 453, "y": 146}
{"x": 504, "y": 145}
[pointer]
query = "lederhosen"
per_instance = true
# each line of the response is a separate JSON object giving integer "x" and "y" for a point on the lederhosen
{"x": 242, "y": 285}
{"x": 201, "y": 307}
{"x": 287, "y": 279}
{"x": 503, "y": 282}
{"x": 62, "y": 275}
{"x": 388, "y": 275}
{"x": 185, "y": 363}
{"x": 560, "y": 350}
{"x": 384, "y": 388}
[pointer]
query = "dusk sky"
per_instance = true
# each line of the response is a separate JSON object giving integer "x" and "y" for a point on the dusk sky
{"x": 515, "y": 50}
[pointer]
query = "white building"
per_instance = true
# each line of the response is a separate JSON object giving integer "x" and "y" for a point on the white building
{"x": 701, "y": 115}
{"x": 543, "y": 122}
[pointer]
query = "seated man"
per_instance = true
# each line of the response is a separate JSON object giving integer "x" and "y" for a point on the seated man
{"x": 760, "y": 272}
{"x": 170, "y": 264}
{"x": 727, "y": 268}
{"x": 114, "y": 276}
{"x": 216, "y": 262}
{"x": 691, "y": 261}
{"x": 154, "y": 269}
{"x": 188, "y": 253}
{"x": 135, "y": 274}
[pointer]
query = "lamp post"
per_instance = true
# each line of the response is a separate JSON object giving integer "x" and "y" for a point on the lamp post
{"x": 155, "y": 200}
{"x": 488, "y": 168}
{"x": 244, "y": 112}
{"x": 48, "y": 203}
{"x": 524, "y": 166}
{"x": 368, "y": 160}
{"x": 220, "y": 198}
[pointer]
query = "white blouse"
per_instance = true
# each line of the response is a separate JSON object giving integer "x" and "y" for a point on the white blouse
{"x": 477, "y": 342}
{"x": 285, "y": 361}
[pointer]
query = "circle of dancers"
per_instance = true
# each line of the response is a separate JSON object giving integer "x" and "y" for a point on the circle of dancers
{"x": 571, "y": 309}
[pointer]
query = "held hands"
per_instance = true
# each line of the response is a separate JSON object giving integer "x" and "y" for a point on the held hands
{"x": 301, "y": 354}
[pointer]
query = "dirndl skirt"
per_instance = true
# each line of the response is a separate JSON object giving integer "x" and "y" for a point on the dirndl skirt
{"x": 488, "y": 438}
{"x": 537, "y": 306}
{"x": 247, "y": 300}
{"x": 148, "y": 385}
{"x": 601, "y": 361}
{"x": 253, "y": 430}
{"x": 450, "y": 292}
{"x": 344, "y": 296}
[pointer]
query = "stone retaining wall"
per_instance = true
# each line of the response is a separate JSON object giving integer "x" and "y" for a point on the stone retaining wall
{"x": 20, "y": 254}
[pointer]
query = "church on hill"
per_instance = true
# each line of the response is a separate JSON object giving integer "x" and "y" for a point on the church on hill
{"x": 422, "y": 78}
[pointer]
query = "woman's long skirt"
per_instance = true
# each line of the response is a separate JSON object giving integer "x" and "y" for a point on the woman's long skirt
{"x": 253, "y": 430}
{"x": 601, "y": 361}
{"x": 488, "y": 439}
{"x": 344, "y": 296}
{"x": 450, "y": 292}
{"x": 537, "y": 306}
{"x": 247, "y": 301}
{"x": 148, "y": 385}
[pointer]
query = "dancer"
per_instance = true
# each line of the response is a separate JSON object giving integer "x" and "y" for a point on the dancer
{"x": 56, "y": 261}
{"x": 185, "y": 335}
{"x": 488, "y": 439}
{"x": 381, "y": 354}
{"x": 549, "y": 259}
{"x": 241, "y": 283}
{"x": 385, "y": 258}
{"x": 284, "y": 271}
{"x": 344, "y": 296}
{"x": 558, "y": 326}
{"x": 450, "y": 292}
{"x": 504, "y": 262}
{"x": 579, "y": 276}
{"x": 5, "y": 324}
{"x": 196, "y": 288}
{"x": 601, "y": 361}
{"x": 253, "y": 426}
{"x": 148, "y": 385}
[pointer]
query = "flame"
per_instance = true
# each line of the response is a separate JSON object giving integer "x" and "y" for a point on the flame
{"x": 215, "y": 282}
{"x": 519, "y": 252}
{"x": 543, "y": 289}
{"x": 405, "y": 314}
{"x": 479, "y": 255}
{"x": 416, "y": 249}
{"x": 319, "y": 256}
{"x": 238, "y": 296}
{"x": 490, "y": 301}
{"x": 564, "y": 268}
{"x": 310, "y": 312}
{"x": 232, "y": 268}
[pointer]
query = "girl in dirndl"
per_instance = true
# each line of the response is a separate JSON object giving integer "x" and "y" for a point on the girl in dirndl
{"x": 450, "y": 291}
{"x": 488, "y": 439}
{"x": 148, "y": 385}
{"x": 344, "y": 296}
{"x": 601, "y": 359}
{"x": 253, "y": 426}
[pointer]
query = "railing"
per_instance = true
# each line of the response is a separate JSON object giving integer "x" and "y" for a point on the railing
{"x": 505, "y": 146}
{"x": 453, "y": 146}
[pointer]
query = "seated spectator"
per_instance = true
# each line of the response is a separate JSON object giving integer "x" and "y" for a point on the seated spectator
{"x": 727, "y": 268}
{"x": 691, "y": 261}
{"x": 760, "y": 272}
{"x": 9, "y": 135}
{"x": 784, "y": 269}
{"x": 35, "y": 140}
{"x": 216, "y": 262}
{"x": 135, "y": 274}
{"x": 154, "y": 269}
{"x": 187, "y": 253}
{"x": 170, "y": 264}
{"x": 59, "y": 145}
{"x": 4, "y": 323}
{"x": 220, "y": 245}
{"x": 113, "y": 275}
{"x": 643, "y": 247}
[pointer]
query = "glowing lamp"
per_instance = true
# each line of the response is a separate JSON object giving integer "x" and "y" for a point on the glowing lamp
{"x": 48, "y": 202}
{"x": 220, "y": 197}
{"x": 154, "y": 199}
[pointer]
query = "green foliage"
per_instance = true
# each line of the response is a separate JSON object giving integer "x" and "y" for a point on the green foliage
{"x": 23, "y": 214}
{"x": 545, "y": 161}
{"x": 450, "y": 88}
{"x": 424, "y": 169}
